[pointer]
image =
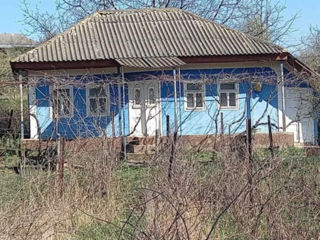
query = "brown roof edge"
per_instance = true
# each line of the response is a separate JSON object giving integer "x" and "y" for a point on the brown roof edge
{"x": 113, "y": 63}
{"x": 236, "y": 58}
{"x": 63, "y": 65}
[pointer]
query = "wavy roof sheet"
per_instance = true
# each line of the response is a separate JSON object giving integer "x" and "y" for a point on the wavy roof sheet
{"x": 146, "y": 33}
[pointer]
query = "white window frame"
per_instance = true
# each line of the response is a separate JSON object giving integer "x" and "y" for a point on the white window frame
{"x": 54, "y": 101}
{"x": 227, "y": 91}
{"x": 93, "y": 85}
{"x": 203, "y": 91}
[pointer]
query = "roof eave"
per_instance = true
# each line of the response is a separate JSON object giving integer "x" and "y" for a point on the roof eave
{"x": 38, "y": 66}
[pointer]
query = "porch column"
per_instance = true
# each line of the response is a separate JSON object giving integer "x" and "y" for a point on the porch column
{"x": 23, "y": 159}
{"x": 175, "y": 100}
{"x": 21, "y": 107}
{"x": 181, "y": 103}
{"x": 124, "y": 140}
{"x": 283, "y": 100}
{"x": 119, "y": 108}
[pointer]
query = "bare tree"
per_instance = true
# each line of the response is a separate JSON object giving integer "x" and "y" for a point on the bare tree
{"x": 264, "y": 19}
{"x": 260, "y": 18}
{"x": 311, "y": 52}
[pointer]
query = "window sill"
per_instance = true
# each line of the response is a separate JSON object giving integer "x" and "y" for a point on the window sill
{"x": 195, "y": 109}
{"x": 229, "y": 108}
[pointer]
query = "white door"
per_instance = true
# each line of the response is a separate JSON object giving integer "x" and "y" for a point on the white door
{"x": 299, "y": 114}
{"x": 144, "y": 108}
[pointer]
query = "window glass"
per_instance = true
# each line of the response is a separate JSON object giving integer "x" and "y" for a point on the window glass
{"x": 151, "y": 99}
{"x": 102, "y": 105}
{"x": 99, "y": 91}
{"x": 199, "y": 100}
{"x": 223, "y": 99}
{"x": 227, "y": 86}
{"x": 93, "y": 105}
{"x": 194, "y": 86}
{"x": 137, "y": 96}
{"x": 232, "y": 99}
{"x": 190, "y": 100}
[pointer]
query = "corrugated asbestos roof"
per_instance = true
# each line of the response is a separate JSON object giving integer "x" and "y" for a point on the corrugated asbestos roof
{"x": 158, "y": 35}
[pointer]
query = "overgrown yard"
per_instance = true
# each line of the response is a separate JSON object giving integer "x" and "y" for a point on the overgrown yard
{"x": 207, "y": 196}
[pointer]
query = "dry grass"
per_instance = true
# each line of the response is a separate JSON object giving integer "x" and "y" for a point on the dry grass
{"x": 105, "y": 199}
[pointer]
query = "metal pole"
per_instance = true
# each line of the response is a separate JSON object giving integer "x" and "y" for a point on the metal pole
{"x": 168, "y": 125}
{"x": 249, "y": 158}
{"x": 21, "y": 107}
{"x": 283, "y": 98}
{"x": 180, "y": 100}
{"x": 222, "y": 124}
{"x": 112, "y": 123}
{"x": 124, "y": 140}
{"x": 61, "y": 144}
{"x": 22, "y": 163}
{"x": 119, "y": 109}
{"x": 175, "y": 100}
{"x": 270, "y": 137}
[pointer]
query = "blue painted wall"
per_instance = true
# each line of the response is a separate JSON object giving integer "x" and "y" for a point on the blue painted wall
{"x": 261, "y": 104}
{"x": 80, "y": 125}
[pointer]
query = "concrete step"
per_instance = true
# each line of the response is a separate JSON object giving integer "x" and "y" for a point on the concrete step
{"x": 141, "y": 140}
{"x": 148, "y": 149}
{"x": 139, "y": 157}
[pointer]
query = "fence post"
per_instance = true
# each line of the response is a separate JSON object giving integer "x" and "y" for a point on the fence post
{"x": 61, "y": 144}
{"x": 23, "y": 152}
{"x": 10, "y": 119}
{"x": 112, "y": 123}
{"x": 249, "y": 158}
{"x": 157, "y": 139}
{"x": 222, "y": 125}
{"x": 172, "y": 154}
{"x": 270, "y": 137}
{"x": 168, "y": 125}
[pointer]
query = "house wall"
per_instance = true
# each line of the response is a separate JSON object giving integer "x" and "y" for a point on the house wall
{"x": 261, "y": 104}
{"x": 79, "y": 125}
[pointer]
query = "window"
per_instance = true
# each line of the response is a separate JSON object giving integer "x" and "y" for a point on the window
{"x": 98, "y": 104}
{"x": 151, "y": 96}
{"x": 63, "y": 102}
{"x": 194, "y": 93}
{"x": 137, "y": 97}
{"x": 228, "y": 95}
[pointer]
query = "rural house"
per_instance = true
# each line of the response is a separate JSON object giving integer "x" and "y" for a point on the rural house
{"x": 139, "y": 72}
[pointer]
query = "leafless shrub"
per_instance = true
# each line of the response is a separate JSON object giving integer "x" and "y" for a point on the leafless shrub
{"x": 201, "y": 204}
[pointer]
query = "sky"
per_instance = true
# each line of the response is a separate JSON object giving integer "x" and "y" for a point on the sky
{"x": 308, "y": 14}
